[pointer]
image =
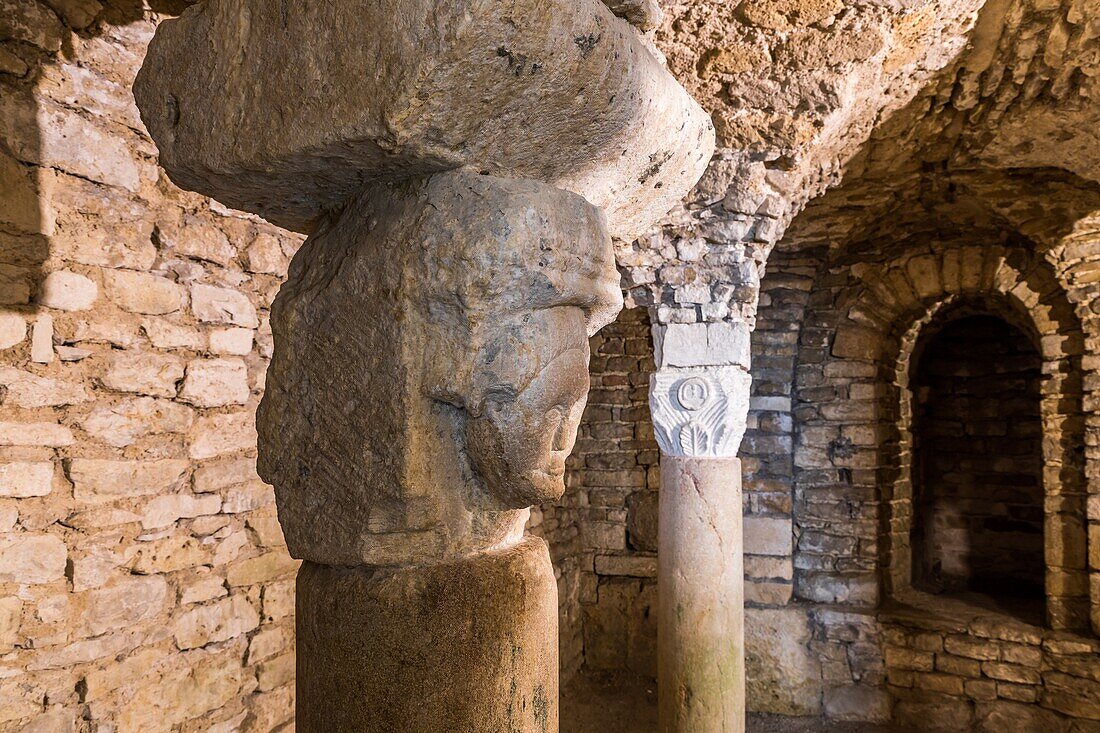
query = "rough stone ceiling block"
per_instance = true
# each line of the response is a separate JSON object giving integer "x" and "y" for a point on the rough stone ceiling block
{"x": 284, "y": 109}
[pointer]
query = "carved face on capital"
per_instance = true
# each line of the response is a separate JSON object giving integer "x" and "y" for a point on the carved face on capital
{"x": 529, "y": 305}
{"x": 532, "y": 385}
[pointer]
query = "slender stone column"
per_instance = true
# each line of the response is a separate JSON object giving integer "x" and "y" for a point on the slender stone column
{"x": 461, "y": 168}
{"x": 699, "y": 400}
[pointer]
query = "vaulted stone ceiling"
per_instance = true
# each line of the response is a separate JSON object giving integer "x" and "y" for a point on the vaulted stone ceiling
{"x": 915, "y": 114}
{"x": 887, "y": 115}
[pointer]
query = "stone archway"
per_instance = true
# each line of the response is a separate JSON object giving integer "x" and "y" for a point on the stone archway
{"x": 852, "y": 445}
{"x": 976, "y": 526}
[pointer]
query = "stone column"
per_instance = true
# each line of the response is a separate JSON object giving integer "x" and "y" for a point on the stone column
{"x": 699, "y": 401}
{"x": 461, "y": 170}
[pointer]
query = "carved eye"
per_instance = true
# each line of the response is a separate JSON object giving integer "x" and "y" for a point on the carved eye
{"x": 496, "y": 398}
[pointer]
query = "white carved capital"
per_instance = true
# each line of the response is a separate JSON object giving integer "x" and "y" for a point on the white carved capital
{"x": 699, "y": 411}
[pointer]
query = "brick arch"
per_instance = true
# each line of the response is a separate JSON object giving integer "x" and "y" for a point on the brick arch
{"x": 853, "y": 446}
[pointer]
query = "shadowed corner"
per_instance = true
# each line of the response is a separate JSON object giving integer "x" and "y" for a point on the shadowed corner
{"x": 36, "y": 35}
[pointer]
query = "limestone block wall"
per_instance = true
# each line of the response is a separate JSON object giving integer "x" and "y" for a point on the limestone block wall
{"x": 144, "y": 585}
{"x": 603, "y": 533}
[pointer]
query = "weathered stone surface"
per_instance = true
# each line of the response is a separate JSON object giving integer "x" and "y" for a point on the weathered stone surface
{"x": 141, "y": 292}
{"x": 701, "y": 624}
{"x": 220, "y": 434}
{"x": 28, "y": 390}
{"x": 509, "y": 359}
{"x": 215, "y": 383}
{"x": 21, "y": 479}
{"x": 223, "y": 305}
{"x": 11, "y": 614}
{"x": 146, "y": 373}
{"x": 433, "y": 637}
{"x": 32, "y": 558}
{"x": 165, "y": 510}
{"x": 68, "y": 291}
{"x": 123, "y": 423}
{"x": 624, "y": 134}
{"x": 782, "y": 671}
{"x": 124, "y": 604}
{"x": 13, "y": 329}
{"x": 215, "y": 622}
{"x": 96, "y": 480}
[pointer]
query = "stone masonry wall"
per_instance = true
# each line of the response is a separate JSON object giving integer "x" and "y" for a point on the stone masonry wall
{"x": 144, "y": 585}
{"x": 605, "y": 528}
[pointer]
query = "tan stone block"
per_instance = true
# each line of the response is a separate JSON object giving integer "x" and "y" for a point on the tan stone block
{"x": 947, "y": 684}
{"x": 124, "y": 604}
{"x": 278, "y": 600}
{"x": 143, "y": 373}
{"x": 249, "y": 497}
{"x": 220, "y": 621}
{"x": 768, "y": 536}
{"x": 132, "y": 668}
{"x": 97, "y": 480}
{"x": 275, "y": 673}
{"x": 142, "y": 292}
{"x": 95, "y": 567}
{"x": 220, "y": 475}
{"x": 1018, "y": 693}
{"x": 262, "y": 569}
{"x": 42, "y": 349}
{"x": 28, "y": 391}
{"x": 768, "y": 593}
{"x": 958, "y": 666}
{"x": 186, "y": 688}
{"x": 232, "y": 341}
{"x": 68, "y": 291}
{"x": 166, "y": 335}
{"x": 215, "y": 383}
{"x": 217, "y": 435}
{"x": 164, "y": 511}
{"x": 198, "y": 239}
{"x": 1027, "y": 656}
{"x": 638, "y": 566}
{"x": 46, "y": 434}
{"x": 32, "y": 559}
{"x": 204, "y": 589}
{"x": 56, "y": 137}
{"x": 169, "y": 555}
{"x": 909, "y": 659}
{"x": 213, "y": 304}
{"x": 783, "y": 673}
{"x": 1011, "y": 673}
{"x": 268, "y": 532}
{"x": 21, "y": 479}
{"x": 980, "y": 689}
{"x": 11, "y": 615}
{"x": 963, "y": 646}
{"x": 123, "y": 423}
{"x": 265, "y": 255}
{"x": 13, "y": 330}
{"x": 268, "y": 642}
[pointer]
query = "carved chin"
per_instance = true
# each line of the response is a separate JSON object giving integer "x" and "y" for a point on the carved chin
{"x": 521, "y": 490}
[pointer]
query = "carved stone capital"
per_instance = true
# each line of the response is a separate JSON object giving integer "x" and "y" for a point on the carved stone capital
{"x": 699, "y": 411}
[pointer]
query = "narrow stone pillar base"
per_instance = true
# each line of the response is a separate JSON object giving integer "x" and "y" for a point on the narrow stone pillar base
{"x": 465, "y": 647}
{"x": 700, "y": 622}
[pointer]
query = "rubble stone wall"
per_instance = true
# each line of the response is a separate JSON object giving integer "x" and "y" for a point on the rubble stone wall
{"x": 144, "y": 583}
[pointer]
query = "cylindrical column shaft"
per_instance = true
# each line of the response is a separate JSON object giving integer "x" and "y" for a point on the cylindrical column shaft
{"x": 701, "y": 630}
{"x": 463, "y": 647}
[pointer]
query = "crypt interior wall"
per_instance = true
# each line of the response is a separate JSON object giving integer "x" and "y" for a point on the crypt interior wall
{"x": 144, "y": 582}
